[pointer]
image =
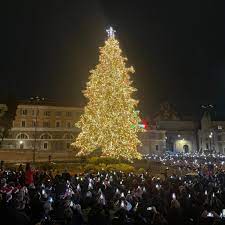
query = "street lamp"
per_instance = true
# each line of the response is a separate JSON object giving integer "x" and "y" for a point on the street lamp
{"x": 210, "y": 140}
{"x": 35, "y": 100}
{"x": 21, "y": 144}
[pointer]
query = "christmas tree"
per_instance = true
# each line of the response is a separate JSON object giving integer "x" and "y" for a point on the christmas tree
{"x": 110, "y": 121}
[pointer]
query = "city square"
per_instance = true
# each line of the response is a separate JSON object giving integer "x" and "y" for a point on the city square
{"x": 113, "y": 113}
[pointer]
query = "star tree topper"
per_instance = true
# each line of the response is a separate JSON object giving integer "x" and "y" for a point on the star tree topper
{"x": 111, "y": 32}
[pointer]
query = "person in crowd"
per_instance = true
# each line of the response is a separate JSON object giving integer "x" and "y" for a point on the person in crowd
{"x": 29, "y": 175}
{"x": 112, "y": 197}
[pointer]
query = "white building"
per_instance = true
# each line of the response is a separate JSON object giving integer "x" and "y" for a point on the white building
{"x": 211, "y": 135}
{"x": 153, "y": 141}
{"x": 181, "y": 136}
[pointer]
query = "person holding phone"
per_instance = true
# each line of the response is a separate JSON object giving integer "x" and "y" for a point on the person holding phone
{"x": 208, "y": 214}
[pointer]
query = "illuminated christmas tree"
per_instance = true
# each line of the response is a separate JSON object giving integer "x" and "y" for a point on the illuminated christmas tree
{"x": 110, "y": 121}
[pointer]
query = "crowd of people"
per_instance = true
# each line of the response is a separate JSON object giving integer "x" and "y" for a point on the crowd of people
{"x": 29, "y": 196}
{"x": 192, "y": 162}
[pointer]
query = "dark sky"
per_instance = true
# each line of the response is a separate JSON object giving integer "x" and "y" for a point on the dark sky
{"x": 176, "y": 47}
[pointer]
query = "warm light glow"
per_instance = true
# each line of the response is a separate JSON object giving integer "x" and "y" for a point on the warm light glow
{"x": 110, "y": 121}
{"x": 111, "y": 32}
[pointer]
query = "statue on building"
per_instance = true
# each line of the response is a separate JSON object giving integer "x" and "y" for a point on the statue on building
{"x": 166, "y": 112}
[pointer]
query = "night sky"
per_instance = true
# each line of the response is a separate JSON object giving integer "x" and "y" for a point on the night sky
{"x": 176, "y": 47}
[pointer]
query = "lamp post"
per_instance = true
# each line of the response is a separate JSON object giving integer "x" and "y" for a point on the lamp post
{"x": 210, "y": 141}
{"x": 21, "y": 144}
{"x": 35, "y": 100}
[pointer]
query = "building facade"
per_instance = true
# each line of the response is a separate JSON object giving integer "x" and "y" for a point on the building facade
{"x": 211, "y": 135}
{"x": 43, "y": 127}
{"x": 181, "y": 136}
{"x": 52, "y": 128}
{"x": 153, "y": 141}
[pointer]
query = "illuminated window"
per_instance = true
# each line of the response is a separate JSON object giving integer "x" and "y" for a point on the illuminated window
{"x": 220, "y": 127}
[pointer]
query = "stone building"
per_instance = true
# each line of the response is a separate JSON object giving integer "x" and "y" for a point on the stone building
{"x": 153, "y": 141}
{"x": 43, "y": 127}
{"x": 180, "y": 134}
{"x": 51, "y": 128}
{"x": 211, "y": 134}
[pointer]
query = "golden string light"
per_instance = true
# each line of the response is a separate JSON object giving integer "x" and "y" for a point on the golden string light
{"x": 110, "y": 121}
